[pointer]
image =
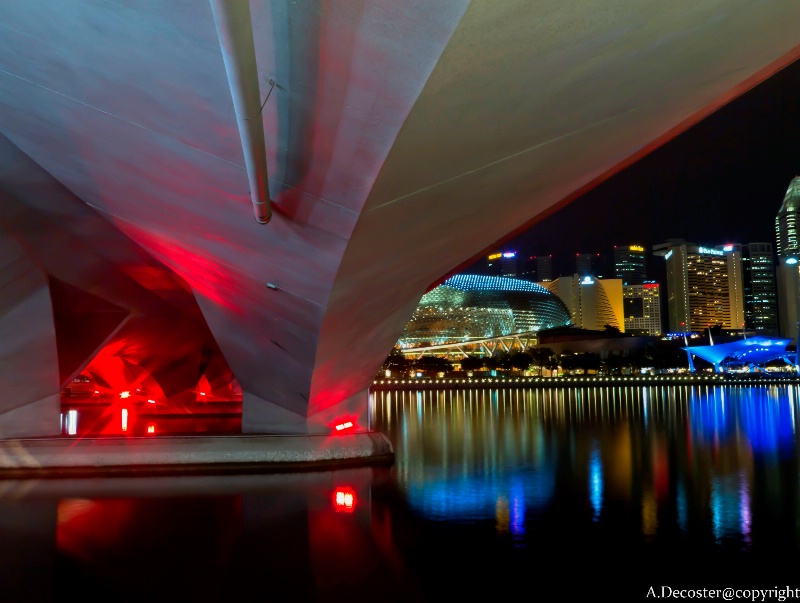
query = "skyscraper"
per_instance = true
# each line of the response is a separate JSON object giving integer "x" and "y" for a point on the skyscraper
{"x": 642, "y": 304}
{"x": 630, "y": 264}
{"x": 786, "y": 222}
{"x": 760, "y": 289}
{"x": 589, "y": 264}
{"x": 788, "y": 246}
{"x": 537, "y": 268}
{"x": 498, "y": 263}
{"x": 704, "y": 286}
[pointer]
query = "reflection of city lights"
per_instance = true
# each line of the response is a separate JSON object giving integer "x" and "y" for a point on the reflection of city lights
{"x": 124, "y": 419}
{"x": 746, "y": 519}
{"x": 517, "y": 510}
{"x": 649, "y": 512}
{"x": 344, "y": 500}
{"x": 596, "y": 483}
{"x": 125, "y": 394}
{"x": 151, "y": 401}
{"x": 503, "y": 515}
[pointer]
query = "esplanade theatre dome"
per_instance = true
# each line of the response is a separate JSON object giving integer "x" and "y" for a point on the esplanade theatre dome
{"x": 470, "y": 306}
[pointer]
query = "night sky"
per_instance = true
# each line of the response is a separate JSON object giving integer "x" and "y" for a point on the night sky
{"x": 722, "y": 181}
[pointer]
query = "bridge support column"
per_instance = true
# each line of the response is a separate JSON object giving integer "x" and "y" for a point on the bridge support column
{"x": 261, "y": 416}
{"x": 30, "y": 401}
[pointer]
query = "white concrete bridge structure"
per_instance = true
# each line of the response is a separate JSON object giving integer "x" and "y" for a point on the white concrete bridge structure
{"x": 265, "y": 189}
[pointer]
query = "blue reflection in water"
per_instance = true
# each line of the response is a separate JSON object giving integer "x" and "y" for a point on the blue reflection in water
{"x": 517, "y": 520}
{"x": 709, "y": 414}
{"x": 766, "y": 418}
{"x": 474, "y": 498}
{"x": 682, "y": 508}
{"x": 596, "y": 482}
{"x": 731, "y": 508}
{"x": 744, "y": 496}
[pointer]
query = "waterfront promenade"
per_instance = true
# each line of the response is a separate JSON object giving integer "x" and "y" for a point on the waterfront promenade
{"x": 251, "y": 453}
{"x": 742, "y": 379}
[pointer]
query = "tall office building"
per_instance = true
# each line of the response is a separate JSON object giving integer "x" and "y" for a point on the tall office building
{"x": 590, "y": 264}
{"x": 592, "y": 303}
{"x": 704, "y": 286}
{"x": 537, "y": 268}
{"x": 786, "y": 222}
{"x": 788, "y": 247}
{"x": 498, "y": 263}
{"x": 630, "y": 264}
{"x": 760, "y": 288}
{"x": 642, "y": 306}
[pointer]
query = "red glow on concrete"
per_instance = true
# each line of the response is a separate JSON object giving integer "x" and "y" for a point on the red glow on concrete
{"x": 344, "y": 499}
{"x": 204, "y": 275}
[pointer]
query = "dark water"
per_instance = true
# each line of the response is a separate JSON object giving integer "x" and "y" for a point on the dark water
{"x": 538, "y": 494}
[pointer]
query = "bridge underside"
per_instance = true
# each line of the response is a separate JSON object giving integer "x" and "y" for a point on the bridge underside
{"x": 402, "y": 140}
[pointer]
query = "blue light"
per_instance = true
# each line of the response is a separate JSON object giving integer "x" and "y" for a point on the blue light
{"x": 596, "y": 483}
{"x": 791, "y": 260}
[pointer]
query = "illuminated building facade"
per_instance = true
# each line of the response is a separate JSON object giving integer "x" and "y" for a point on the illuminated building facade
{"x": 470, "y": 306}
{"x": 760, "y": 289}
{"x": 593, "y": 303}
{"x": 786, "y": 222}
{"x": 704, "y": 286}
{"x": 642, "y": 305}
{"x": 630, "y": 264}
{"x": 788, "y": 272}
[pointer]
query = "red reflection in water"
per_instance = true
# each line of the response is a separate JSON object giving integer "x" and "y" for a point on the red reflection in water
{"x": 132, "y": 540}
{"x": 344, "y": 499}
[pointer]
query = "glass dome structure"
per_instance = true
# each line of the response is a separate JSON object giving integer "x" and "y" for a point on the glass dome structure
{"x": 469, "y": 307}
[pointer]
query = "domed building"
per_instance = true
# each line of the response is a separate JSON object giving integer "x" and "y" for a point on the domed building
{"x": 470, "y": 307}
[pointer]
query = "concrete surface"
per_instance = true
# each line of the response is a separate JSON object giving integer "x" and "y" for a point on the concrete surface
{"x": 67, "y": 457}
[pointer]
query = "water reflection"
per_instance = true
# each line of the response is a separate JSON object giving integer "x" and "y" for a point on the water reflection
{"x": 596, "y": 483}
{"x": 499, "y": 489}
{"x": 678, "y": 462}
{"x": 317, "y": 536}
